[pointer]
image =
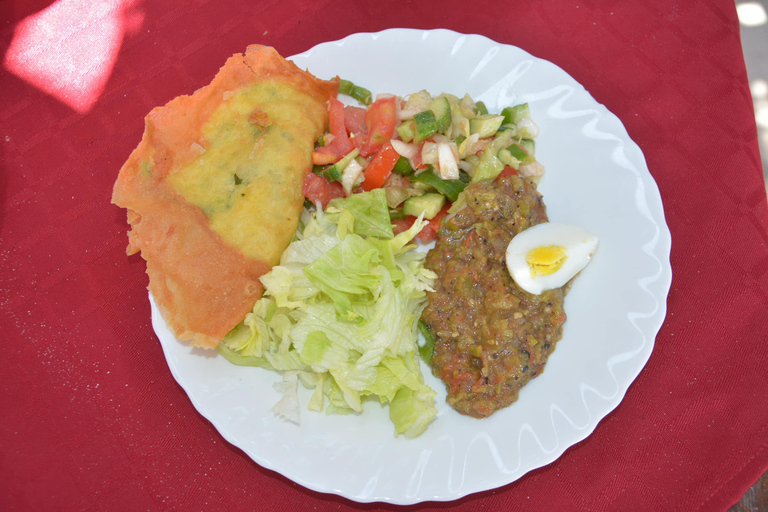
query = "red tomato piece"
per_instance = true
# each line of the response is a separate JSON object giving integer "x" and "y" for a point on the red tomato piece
{"x": 336, "y": 118}
{"x": 507, "y": 171}
{"x": 325, "y": 157}
{"x": 380, "y": 121}
{"x": 380, "y": 167}
{"x": 340, "y": 145}
{"x": 318, "y": 188}
{"x": 434, "y": 222}
{"x": 427, "y": 233}
{"x": 354, "y": 120}
{"x": 400, "y": 225}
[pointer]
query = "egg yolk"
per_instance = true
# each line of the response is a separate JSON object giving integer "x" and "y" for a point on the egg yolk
{"x": 546, "y": 259}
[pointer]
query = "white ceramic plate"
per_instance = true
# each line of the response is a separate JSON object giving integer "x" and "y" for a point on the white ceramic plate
{"x": 596, "y": 178}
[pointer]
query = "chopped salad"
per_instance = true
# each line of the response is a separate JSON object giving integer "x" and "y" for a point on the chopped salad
{"x": 422, "y": 150}
{"x": 340, "y": 314}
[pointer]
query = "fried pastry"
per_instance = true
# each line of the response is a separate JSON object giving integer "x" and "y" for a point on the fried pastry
{"x": 214, "y": 189}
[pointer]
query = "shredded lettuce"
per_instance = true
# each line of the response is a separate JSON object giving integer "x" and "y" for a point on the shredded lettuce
{"x": 340, "y": 315}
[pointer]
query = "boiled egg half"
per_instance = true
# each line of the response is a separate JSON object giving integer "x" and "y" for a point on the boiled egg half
{"x": 548, "y": 255}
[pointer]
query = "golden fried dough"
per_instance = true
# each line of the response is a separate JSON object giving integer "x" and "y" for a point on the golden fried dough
{"x": 214, "y": 189}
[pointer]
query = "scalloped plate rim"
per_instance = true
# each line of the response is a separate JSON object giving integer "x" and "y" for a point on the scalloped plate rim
{"x": 176, "y": 353}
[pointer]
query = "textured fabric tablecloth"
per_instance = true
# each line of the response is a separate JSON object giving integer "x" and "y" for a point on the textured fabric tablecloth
{"x": 90, "y": 416}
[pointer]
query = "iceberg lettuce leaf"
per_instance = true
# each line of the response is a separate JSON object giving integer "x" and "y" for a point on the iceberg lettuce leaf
{"x": 345, "y": 274}
{"x": 370, "y": 212}
{"x": 340, "y": 314}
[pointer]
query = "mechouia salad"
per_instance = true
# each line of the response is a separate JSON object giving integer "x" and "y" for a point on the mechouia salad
{"x": 340, "y": 314}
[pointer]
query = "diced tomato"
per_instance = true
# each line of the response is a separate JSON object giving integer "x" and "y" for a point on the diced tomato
{"x": 318, "y": 188}
{"x": 354, "y": 120}
{"x": 380, "y": 120}
{"x": 380, "y": 167}
{"x": 428, "y": 232}
{"x": 434, "y": 222}
{"x": 400, "y": 225}
{"x": 507, "y": 171}
{"x": 326, "y": 156}
{"x": 336, "y": 119}
{"x": 340, "y": 145}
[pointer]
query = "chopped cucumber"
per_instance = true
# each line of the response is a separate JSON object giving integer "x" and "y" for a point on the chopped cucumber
{"x": 516, "y": 113}
{"x": 429, "y": 204}
{"x": 505, "y": 127}
{"x": 482, "y": 110}
{"x": 490, "y": 165}
{"x": 426, "y": 126}
{"x": 485, "y": 125}
{"x": 442, "y": 110}
{"x": 334, "y": 172}
{"x": 449, "y": 188}
{"x": 407, "y": 130}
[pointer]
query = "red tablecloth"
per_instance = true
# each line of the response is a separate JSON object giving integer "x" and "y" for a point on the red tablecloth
{"x": 90, "y": 416}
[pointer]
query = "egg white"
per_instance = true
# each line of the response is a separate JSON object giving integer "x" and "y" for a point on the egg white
{"x": 578, "y": 242}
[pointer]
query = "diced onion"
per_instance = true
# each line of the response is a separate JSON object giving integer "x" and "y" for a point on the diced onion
{"x": 351, "y": 175}
{"x": 446, "y": 162}
{"x": 429, "y": 153}
{"x": 468, "y": 145}
{"x": 418, "y": 101}
{"x": 466, "y": 166}
{"x": 405, "y": 114}
{"x": 464, "y": 125}
{"x": 528, "y": 128}
{"x": 405, "y": 149}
